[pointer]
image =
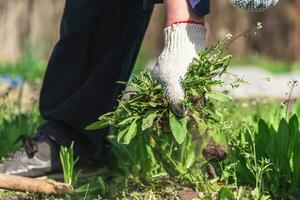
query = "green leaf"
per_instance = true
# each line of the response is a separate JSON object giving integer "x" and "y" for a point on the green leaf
{"x": 131, "y": 133}
{"x": 283, "y": 146}
{"x": 293, "y": 130}
{"x": 225, "y": 193}
{"x": 148, "y": 120}
{"x": 262, "y": 139}
{"x": 97, "y": 125}
{"x": 178, "y": 127}
{"x": 296, "y": 162}
{"x": 127, "y": 121}
{"x": 219, "y": 96}
{"x": 121, "y": 133}
{"x": 200, "y": 122}
{"x": 102, "y": 186}
{"x": 172, "y": 167}
{"x": 108, "y": 115}
{"x": 188, "y": 151}
{"x": 153, "y": 104}
{"x": 103, "y": 122}
{"x": 207, "y": 198}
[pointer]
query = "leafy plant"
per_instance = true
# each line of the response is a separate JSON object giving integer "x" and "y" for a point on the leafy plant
{"x": 68, "y": 163}
{"x": 149, "y": 139}
{"x": 269, "y": 157}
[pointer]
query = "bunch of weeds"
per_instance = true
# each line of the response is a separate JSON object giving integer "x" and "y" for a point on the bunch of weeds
{"x": 149, "y": 141}
{"x": 151, "y": 144}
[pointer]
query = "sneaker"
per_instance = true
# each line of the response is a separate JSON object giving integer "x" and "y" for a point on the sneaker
{"x": 38, "y": 156}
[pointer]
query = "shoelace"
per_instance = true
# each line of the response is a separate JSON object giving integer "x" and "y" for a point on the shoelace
{"x": 29, "y": 146}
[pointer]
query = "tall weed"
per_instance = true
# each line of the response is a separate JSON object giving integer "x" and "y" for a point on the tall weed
{"x": 275, "y": 150}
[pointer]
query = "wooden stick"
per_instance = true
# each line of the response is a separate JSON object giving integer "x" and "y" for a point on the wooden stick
{"x": 17, "y": 183}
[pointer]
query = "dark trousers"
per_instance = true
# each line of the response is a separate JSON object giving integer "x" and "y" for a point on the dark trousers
{"x": 98, "y": 45}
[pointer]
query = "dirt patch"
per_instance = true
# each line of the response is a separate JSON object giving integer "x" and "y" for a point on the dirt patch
{"x": 188, "y": 194}
{"x": 215, "y": 152}
{"x": 25, "y": 95}
{"x": 16, "y": 196}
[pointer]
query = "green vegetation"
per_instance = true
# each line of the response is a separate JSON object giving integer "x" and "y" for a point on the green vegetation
{"x": 30, "y": 67}
{"x": 68, "y": 163}
{"x": 141, "y": 62}
{"x": 275, "y": 170}
{"x": 15, "y": 123}
{"x": 156, "y": 140}
{"x": 271, "y": 65}
{"x": 27, "y": 68}
{"x": 156, "y": 155}
{"x": 252, "y": 170}
{"x": 163, "y": 150}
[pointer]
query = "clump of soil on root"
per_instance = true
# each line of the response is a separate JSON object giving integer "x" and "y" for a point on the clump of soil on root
{"x": 215, "y": 152}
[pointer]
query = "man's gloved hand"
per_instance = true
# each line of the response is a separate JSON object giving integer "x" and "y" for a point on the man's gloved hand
{"x": 253, "y": 5}
{"x": 183, "y": 41}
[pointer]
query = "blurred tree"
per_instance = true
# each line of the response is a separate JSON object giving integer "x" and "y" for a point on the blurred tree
{"x": 297, "y": 29}
{"x": 34, "y": 22}
{"x": 13, "y": 24}
{"x": 226, "y": 19}
{"x": 276, "y": 39}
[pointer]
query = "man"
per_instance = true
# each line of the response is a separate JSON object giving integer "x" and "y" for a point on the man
{"x": 98, "y": 45}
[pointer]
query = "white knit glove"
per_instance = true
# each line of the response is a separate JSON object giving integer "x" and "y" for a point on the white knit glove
{"x": 253, "y": 5}
{"x": 182, "y": 44}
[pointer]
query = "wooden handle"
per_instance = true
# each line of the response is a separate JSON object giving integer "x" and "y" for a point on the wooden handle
{"x": 16, "y": 183}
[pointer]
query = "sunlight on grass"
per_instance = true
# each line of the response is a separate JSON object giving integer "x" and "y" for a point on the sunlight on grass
{"x": 271, "y": 65}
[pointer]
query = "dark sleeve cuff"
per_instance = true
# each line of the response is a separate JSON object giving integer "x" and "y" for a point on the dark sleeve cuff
{"x": 201, "y": 7}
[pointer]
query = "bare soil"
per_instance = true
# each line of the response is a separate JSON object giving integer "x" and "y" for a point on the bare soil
{"x": 188, "y": 194}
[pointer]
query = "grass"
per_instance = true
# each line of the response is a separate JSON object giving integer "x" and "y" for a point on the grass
{"x": 141, "y": 63}
{"x": 239, "y": 115}
{"x": 268, "y": 64}
{"x": 30, "y": 67}
{"x": 14, "y": 123}
{"x": 68, "y": 164}
{"x": 252, "y": 130}
{"x": 271, "y": 65}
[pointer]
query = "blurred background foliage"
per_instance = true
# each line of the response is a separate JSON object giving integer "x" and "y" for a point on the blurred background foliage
{"x": 29, "y": 30}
